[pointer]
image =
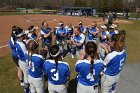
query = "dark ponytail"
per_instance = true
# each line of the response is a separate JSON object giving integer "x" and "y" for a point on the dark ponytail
{"x": 92, "y": 62}
{"x": 55, "y": 54}
{"x": 91, "y": 50}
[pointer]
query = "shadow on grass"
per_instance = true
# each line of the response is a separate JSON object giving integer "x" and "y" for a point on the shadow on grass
{"x": 72, "y": 86}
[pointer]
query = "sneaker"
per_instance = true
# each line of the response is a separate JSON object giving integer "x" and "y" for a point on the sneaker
{"x": 72, "y": 56}
{"x": 22, "y": 84}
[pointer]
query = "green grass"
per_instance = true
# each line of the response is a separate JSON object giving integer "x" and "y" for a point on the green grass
{"x": 9, "y": 82}
{"x": 132, "y": 41}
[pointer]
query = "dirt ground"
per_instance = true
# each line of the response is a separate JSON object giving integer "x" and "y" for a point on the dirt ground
{"x": 24, "y": 21}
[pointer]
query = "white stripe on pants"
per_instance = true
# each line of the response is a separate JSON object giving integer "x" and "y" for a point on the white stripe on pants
{"x": 107, "y": 82}
{"x": 36, "y": 84}
{"x": 24, "y": 67}
{"x": 57, "y": 88}
{"x": 86, "y": 89}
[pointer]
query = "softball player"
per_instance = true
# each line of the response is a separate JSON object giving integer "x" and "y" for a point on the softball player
{"x": 13, "y": 40}
{"x": 114, "y": 63}
{"x": 70, "y": 30}
{"x": 89, "y": 70}
{"x": 61, "y": 33}
{"x": 32, "y": 32}
{"x": 78, "y": 42}
{"x": 21, "y": 50}
{"x": 58, "y": 71}
{"x": 104, "y": 36}
{"x": 93, "y": 32}
{"x": 35, "y": 62}
{"x": 46, "y": 35}
{"x": 83, "y": 29}
{"x": 114, "y": 30}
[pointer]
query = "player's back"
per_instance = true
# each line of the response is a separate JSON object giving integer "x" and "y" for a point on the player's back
{"x": 114, "y": 62}
{"x": 36, "y": 65}
{"x": 59, "y": 77}
{"x": 84, "y": 77}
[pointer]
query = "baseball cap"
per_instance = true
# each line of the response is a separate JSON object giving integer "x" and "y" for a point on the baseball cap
{"x": 113, "y": 26}
{"x": 60, "y": 23}
{"x": 103, "y": 26}
{"x": 80, "y": 23}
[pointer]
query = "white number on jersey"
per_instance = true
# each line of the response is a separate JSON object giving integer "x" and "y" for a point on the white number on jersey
{"x": 56, "y": 75}
{"x": 90, "y": 76}
{"x": 121, "y": 63}
{"x": 31, "y": 66}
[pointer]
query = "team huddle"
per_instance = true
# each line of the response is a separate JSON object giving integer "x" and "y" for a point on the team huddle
{"x": 100, "y": 55}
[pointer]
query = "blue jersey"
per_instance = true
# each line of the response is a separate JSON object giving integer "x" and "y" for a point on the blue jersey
{"x": 79, "y": 39}
{"x": 83, "y": 29}
{"x": 59, "y": 77}
{"x": 32, "y": 36}
{"x": 90, "y": 35}
{"x": 13, "y": 47}
{"x": 113, "y": 32}
{"x": 21, "y": 50}
{"x": 104, "y": 34}
{"x": 36, "y": 66}
{"x": 46, "y": 31}
{"x": 60, "y": 31}
{"x": 114, "y": 62}
{"x": 70, "y": 30}
{"x": 85, "y": 77}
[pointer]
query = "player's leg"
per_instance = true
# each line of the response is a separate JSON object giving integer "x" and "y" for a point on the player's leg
{"x": 40, "y": 85}
{"x": 19, "y": 74}
{"x": 32, "y": 87}
{"x": 51, "y": 88}
{"x": 24, "y": 68}
{"x": 78, "y": 54}
{"x": 73, "y": 50}
{"x": 61, "y": 88}
{"x": 107, "y": 82}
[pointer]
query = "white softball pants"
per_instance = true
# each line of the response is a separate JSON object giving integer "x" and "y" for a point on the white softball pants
{"x": 107, "y": 82}
{"x": 37, "y": 85}
{"x": 86, "y": 89}
{"x": 24, "y": 67}
{"x": 57, "y": 88}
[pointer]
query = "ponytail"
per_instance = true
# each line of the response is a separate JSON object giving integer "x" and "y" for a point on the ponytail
{"x": 56, "y": 64}
{"x": 92, "y": 64}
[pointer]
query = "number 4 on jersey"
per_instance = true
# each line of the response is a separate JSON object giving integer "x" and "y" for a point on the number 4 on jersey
{"x": 90, "y": 76}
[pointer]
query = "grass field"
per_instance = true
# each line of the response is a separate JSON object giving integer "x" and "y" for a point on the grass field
{"x": 8, "y": 73}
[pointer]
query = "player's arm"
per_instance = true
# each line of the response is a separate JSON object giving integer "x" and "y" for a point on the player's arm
{"x": 81, "y": 41}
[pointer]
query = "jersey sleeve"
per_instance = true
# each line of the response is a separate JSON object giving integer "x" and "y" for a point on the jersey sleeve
{"x": 108, "y": 58}
{"x": 77, "y": 66}
{"x": 83, "y": 38}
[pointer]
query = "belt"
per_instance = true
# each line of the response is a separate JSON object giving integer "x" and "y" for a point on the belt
{"x": 95, "y": 87}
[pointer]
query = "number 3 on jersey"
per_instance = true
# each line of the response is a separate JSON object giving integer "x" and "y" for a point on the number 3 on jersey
{"x": 55, "y": 77}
